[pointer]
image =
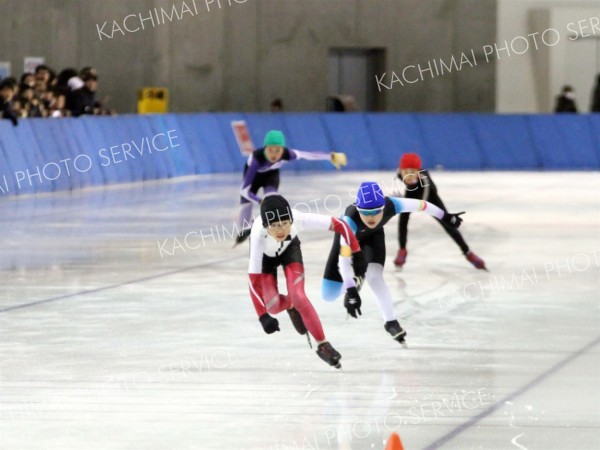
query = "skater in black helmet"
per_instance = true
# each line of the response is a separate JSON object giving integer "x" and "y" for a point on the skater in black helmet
{"x": 419, "y": 185}
{"x": 274, "y": 242}
{"x": 367, "y": 217}
{"x": 262, "y": 171}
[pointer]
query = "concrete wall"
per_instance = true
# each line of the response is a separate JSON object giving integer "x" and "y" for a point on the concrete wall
{"x": 528, "y": 83}
{"x": 241, "y": 56}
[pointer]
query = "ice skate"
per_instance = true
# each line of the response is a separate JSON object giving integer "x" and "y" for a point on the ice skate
{"x": 329, "y": 354}
{"x": 396, "y": 331}
{"x": 475, "y": 260}
{"x": 245, "y": 234}
{"x": 297, "y": 321}
{"x": 400, "y": 258}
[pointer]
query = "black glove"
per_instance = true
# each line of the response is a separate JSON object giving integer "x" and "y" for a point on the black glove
{"x": 359, "y": 264}
{"x": 269, "y": 324}
{"x": 352, "y": 302}
{"x": 452, "y": 220}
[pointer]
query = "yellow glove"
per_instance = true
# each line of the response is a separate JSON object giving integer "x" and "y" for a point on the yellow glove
{"x": 338, "y": 159}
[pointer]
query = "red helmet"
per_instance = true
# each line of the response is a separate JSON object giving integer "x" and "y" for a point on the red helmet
{"x": 410, "y": 161}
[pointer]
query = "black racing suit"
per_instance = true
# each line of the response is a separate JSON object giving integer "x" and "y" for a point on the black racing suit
{"x": 425, "y": 189}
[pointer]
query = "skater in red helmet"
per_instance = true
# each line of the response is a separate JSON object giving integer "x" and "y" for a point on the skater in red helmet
{"x": 419, "y": 185}
{"x": 262, "y": 171}
{"x": 274, "y": 242}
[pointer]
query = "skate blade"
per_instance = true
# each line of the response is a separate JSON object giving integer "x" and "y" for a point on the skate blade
{"x": 337, "y": 366}
{"x": 309, "y": 341}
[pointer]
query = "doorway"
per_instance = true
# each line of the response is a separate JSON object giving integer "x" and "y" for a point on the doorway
{"x": 352, "y": 73}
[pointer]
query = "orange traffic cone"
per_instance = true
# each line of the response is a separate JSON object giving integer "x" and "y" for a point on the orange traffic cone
{"x": 394, "y": 442}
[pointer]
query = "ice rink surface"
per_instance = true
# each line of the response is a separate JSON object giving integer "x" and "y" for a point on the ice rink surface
{"x": 117, "y": 333}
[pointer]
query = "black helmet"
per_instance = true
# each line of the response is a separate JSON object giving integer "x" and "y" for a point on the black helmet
{"x": 275, "y": 208}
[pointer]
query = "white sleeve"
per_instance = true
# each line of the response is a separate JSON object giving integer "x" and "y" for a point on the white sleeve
{"x": 321, "y": 222}
{"x": 311, "y": 221}
{"x": 404, "y": 205}
{"x": 346, "y": 271}
{"x": 311, "y": 156}
{"x": 257, "y": 244}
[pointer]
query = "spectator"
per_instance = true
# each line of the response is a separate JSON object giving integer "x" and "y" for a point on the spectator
{"x": 86, "y": 71}
{"x": 277, "y": 105}
{"x": 43, "y": 94}
{"x": 45, "y": 74}
{"x": 28, "y": 79}
{"x": 8, "y": 89}
{"x": 30, "y": 104}
{"x": 58, "y": 105}
{"x": 18, "y": 109}
{"x": 596, "y": 97}
{"x": 84, "y": 99}
{"x": 62, "y": 80}
{"x": 565, "y": 102}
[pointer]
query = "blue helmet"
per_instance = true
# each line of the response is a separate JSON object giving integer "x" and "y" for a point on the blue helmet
{"x": 369, "y": 196}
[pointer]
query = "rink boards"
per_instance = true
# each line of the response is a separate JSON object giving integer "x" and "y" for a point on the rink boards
{"x": 41, "y": 155}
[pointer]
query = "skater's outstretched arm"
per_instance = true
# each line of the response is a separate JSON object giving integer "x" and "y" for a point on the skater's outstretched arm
{"x": 352, "y": 268}
{"x": 310, "y": 221}
{"x": 407, "y": 205}
{"x": 353, "y": 260}
{"x": 335, "y": 158}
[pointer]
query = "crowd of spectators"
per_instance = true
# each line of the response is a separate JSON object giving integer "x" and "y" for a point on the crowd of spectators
{"x": 45, "y": 94}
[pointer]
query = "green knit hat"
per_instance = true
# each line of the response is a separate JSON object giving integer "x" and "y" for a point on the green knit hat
{"x": 274, "y": 137}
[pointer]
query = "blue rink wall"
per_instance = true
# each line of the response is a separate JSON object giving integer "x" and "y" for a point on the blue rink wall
{"x": 43, "y": 155}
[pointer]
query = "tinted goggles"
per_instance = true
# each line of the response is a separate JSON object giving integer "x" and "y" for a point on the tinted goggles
{"x": 370, "y": 212}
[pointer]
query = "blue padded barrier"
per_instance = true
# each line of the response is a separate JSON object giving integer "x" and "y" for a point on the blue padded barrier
{"x": 450, "y": 141}
{"x": 159, "y": 164}
{"x": 79, "y": 144}
{"x": 186, "y": 132}
{"x": 123, "y": 135}
{"x": 505, "y": 142}
{"x": 100, "y": 139}
{"x": 206, "y": 144}
{"x": 35, "y": 158}
{"x": 166, "y": 157}
{"x": 594, "y": 121}
{"x": 58, "y": 175}
{"x": 81, "y": 169}
{"x": 13, "y": 160}
{"x": 179, "y": 151}
{"x": 202, "y": 134}
{"x": 131, "y": 146}
{"x": 395, "y": 134}
{"x": 7, "y": 182}
{"x": 564, "y": 141}
{"x": 307, "y": 132}
{"x": 348, "y": 133}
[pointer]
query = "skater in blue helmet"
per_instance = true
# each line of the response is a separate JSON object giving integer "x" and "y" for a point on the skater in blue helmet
{"x": 367, "y": 217}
